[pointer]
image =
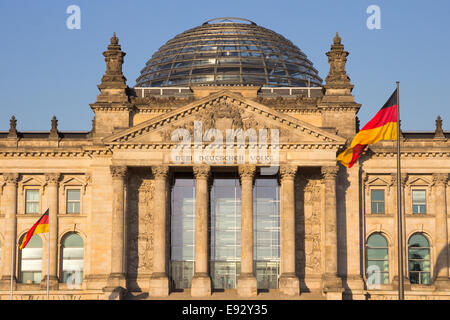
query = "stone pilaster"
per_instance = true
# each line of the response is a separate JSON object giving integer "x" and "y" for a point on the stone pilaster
{"x": 52, "y": 180}
{"x": 159, "y": 281}
{"x": 201, "y": 282}
{"x": 247, "y": 284}
{"x": 116, "y": 279}
{"x": 441, "y": 235}
{"x": 9, "y": 247}
{"x": 332, "y": 283}
{"x": 288, "y": 282}
{"x": 404, "y": 249}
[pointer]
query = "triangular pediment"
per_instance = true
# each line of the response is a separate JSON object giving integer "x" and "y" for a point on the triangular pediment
{"x": 224, "y": 110}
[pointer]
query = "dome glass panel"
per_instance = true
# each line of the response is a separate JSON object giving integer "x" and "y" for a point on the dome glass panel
{"x": 229, "y": 51}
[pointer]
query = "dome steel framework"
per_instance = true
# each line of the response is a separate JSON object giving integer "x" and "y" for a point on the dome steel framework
{"x": 229, "y": 51}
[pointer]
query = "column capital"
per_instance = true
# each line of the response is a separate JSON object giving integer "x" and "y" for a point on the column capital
{"x": 11, "y": 177}
{"x": 288, "y": 172}
{"x": 52, "y": 178}
{"x": 440, "y": 179}
{"x": 329, "y": 172}
{"x": 118, "y": 172}
{"x": 202, "y": 171}
{"x": 160, "y": 171}
{"x": 247, "y": 171}
{"x": 403, "y": 179}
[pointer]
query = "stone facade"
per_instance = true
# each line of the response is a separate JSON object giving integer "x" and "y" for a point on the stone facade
{"x": 123, "y": 169}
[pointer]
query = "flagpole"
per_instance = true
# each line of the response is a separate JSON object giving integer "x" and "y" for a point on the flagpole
{"x": 48, "y": 261}
{"x": 401, "y": 290}
{"x": 12, "y": 269}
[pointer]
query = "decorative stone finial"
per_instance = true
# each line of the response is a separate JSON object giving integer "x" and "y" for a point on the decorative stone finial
{"x": 54, "y": 130}
{"x": 337, "y": 39}
{"x": 439, "y": 133}
{"x": 12, "y": 128}
{"x": 337, "y": 58}
{"x": 114, "y": 39}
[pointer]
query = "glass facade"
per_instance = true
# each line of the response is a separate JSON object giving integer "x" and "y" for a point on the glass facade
{"x": 225, "y": 231}
{"x": 266, "y": 226}
{"x": 419, "y": 259}
{"x": 72, "y": 259}
{"x": 182, "y": 231}
{"x": 31, "y": 261}
{"x": 223, "y": 51}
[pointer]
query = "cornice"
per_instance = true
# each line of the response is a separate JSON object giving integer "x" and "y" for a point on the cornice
{"x": 55, "y": 153}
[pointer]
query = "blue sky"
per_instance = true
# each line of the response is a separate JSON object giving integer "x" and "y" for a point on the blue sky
{"x": 47, "y": 69}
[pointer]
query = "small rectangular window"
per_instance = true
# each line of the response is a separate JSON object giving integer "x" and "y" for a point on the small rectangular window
{"x": 73, "y": 201}
{"x": 31, "y": 201}
{"x": 377, "y": 201}
{"x": 419, "y": 201}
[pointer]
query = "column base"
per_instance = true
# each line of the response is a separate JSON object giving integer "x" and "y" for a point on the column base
{"x": 247, "y": 286}
{"x": 159, "y": 285}
{"x": 332, "y": 287}
{"x": 116, "y": 280}
{"x": 289, "y": 284}
{"x": 114, "y": 293}
{"x": 5, "y": 283}
{"x": 442, "y": 283}
{"x": 355, "y": 288}
{"x": 53, "y": 283}
{"x": 201, "y": 285}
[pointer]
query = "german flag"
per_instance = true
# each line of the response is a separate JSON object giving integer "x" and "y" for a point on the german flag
{"x": 382, "y": 127}
{"x": 41, "y": 226}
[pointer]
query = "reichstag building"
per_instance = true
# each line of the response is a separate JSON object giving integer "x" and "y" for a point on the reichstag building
{"x": 140, "y": 209}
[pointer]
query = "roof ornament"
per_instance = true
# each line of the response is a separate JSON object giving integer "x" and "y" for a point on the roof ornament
{"x": 12, "y": 128}
{"x": 337, "y": 40}
{"x": 439, "y": 133}
{"x": 114, "y": 39}
{"x": 54, "y": 134}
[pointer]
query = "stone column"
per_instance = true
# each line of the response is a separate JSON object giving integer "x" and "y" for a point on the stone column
{"x": 247, "y": 284}
{"x": 288, "y": 282}
{"x": 117, "y": 280}
{"x": 201, "y": 282}
{"x": 441, "y": 236}
{"x": 159, "y": 281}
{"x": 332, "y": 283}
{"x": 9, "y": 246}
{"x": 52, "y": 180}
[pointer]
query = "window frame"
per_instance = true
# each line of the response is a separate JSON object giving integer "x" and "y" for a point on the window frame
{"x": 66, "y": 199}
{"x": 387, "y": 259}
{"x": 377, "y": 201}
{"x": 412, "y": 201}
{"x": 26, "y": 201}
{"x": 20, "y": 262}
{"x": 430, "y": 272}
{"x": 61, "y": 258}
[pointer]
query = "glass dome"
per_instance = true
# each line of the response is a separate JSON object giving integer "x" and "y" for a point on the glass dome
{"x": 229, "y": 51}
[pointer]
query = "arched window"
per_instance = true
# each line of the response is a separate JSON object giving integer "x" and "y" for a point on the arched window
{"x": 377, "y": 259}
{"x": 72, "y": 251}
{"x": 30, "y": 267}
{"x": 419, "y": 259}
